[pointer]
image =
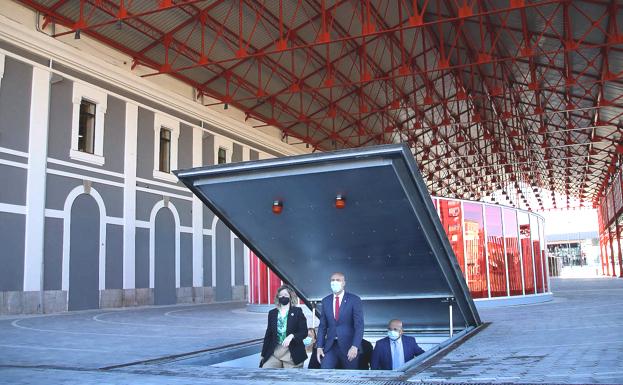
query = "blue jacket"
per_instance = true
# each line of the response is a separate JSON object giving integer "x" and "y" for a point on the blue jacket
{"x": 348, "y": 328}
{"x": 382, "y": 354}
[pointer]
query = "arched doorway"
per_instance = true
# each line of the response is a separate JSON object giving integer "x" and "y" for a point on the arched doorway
{"x": 164, "y": 258}
{"x": 223, "y": 262}
{"x": 84, "y": 254}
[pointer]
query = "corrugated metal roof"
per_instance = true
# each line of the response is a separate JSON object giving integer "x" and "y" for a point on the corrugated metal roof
{"x": 518, "y": 83}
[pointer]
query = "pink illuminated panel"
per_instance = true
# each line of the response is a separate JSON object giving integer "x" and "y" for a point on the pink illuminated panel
{"x": 452, "y": 221}
{"x": 475, "y": 249}
{"x": 536, "y": 252}
{"x": 526, "y": 250}
{"x": 495, "y": 249}
{"x": 511, "y": 240}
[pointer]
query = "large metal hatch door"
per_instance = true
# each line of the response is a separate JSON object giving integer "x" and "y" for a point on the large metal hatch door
{"x": 387, "y": 239}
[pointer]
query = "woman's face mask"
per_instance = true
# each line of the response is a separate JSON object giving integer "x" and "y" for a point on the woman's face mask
{"x": 284, "y": 300}
{"x": 307, "y": 341}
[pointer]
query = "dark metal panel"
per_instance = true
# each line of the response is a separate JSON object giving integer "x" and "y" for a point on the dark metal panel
{"x": 387, "y": 240}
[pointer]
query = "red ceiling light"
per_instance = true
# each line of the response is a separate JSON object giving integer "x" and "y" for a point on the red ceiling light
{"x": 340, "y": 202}
{"x": 277, "y": 207}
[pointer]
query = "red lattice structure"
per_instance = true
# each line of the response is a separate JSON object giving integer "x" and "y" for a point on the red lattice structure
{"x": 492, "y": 95}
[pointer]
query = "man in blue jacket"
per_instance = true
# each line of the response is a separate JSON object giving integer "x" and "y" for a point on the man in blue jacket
{"x": 341, "y": 327}
{"x": 391, "y": 352}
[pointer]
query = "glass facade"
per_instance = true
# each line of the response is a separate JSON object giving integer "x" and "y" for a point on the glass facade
{"x": 495, "y": 251}
{"x": 501, "y": 251}
{"x": 610, "y": 217}
{"x": 513, "y": 259}
{"x": 476, "y": 276}
{"x": 526, "y": 252}
{"x": 536, "y": 252}
{"x": 450, "y": 214}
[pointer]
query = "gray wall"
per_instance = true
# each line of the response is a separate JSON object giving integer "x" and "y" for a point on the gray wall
{"x": 114, "y": 257}
{"x": 53, "y": 254}
{"x": 185, "y": 148}
{"x": 141, "y": 268}
{"x": 12, "y": 240}
{"x": 145, "y": 145}
{"x": 223, "y": 263}
{"x": 13, "y": 188}
{"x": 145, "y": 202}
{"x": 254, "y": 155}
{"x": 236, "y": 153}
{"x": 239, "y": 261}
{"x": 15, "y": 92}
{"x": 58, "y": 187}
{"x": 207, "y": 260}
{"x": 84, "y": 254}
{"x": 61, "y": 107}
{"x": 186, "y": 260}
{"x": 114, "y": 135}
{"x": 208, "y": 149}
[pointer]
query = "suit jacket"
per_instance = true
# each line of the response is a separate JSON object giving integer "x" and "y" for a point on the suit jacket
{"x": 382, "y": 354}
{"x": 348, "y": 329}
{"x": 297, "y": 325}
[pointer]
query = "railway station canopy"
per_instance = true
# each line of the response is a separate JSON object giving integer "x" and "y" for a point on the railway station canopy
{"x": 516, "y": 101}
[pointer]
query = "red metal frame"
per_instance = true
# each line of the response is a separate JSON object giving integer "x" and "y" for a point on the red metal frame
{"x": 506, "y": 95}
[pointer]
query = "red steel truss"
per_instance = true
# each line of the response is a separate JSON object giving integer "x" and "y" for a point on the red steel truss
{"x": 511, "y": 96}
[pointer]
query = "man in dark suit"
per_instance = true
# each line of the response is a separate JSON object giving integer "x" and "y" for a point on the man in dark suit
{"x": 341, "y": 327}
{"x": 391, "y": 352}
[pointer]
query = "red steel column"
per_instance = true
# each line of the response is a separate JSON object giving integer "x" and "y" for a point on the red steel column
{"x": 602, "y": 254}
{"x": 618, "y": 230}
{"x": 614, "y": 273}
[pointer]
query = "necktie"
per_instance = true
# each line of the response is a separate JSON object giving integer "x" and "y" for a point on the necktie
{"x": 336, "y": 313}
{"x": 395, "y": 355}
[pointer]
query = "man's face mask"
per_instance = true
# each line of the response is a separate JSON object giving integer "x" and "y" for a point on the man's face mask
{"x": 393, "y": 335}
{"x": 336, "y": 286}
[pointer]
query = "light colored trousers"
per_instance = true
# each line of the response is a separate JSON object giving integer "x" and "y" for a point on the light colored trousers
{"x": 281, "y": 358}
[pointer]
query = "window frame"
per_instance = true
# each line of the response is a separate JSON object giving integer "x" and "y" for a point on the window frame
{"x": 98, "y": 97}
{"x": 173, "y": 125}
{"x": 166, "y": 140}
{"x": 94, "y": 117}
{"x": 218, "y": 155}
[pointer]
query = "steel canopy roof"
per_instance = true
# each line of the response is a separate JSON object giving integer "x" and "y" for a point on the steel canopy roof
{"x": 517, "y": 96}
{"x": 387, "y": 240}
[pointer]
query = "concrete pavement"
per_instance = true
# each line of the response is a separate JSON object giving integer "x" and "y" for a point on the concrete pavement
{"x": 576, "y": 338}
